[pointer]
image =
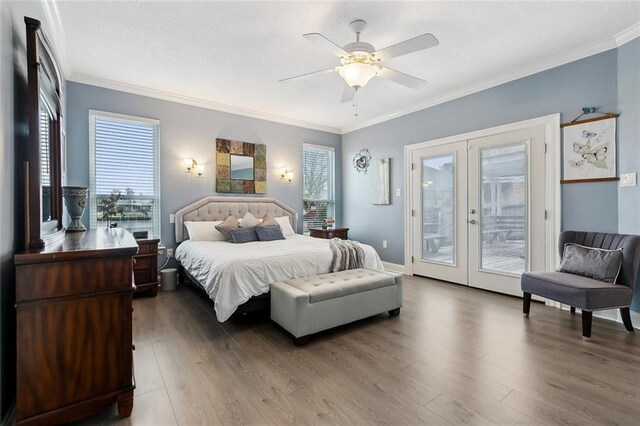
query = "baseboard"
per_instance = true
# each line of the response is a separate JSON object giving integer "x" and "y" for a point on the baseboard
{"x": 393, "y": 267}
{"x": 613, "y": 315}
{"x": 10, "y": 417}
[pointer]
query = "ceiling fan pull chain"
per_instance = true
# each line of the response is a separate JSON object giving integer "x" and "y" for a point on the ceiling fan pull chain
{"x": 355, "y": 102}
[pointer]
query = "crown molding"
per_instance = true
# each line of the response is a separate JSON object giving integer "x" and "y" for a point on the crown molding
{"x": 202, "y": 103}
{"x": 544, "y": 65}
{"x": 58, "y": 37}
{"x": 627, "y": 35}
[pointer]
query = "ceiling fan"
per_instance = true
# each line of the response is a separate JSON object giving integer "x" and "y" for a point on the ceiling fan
{"x": 360, "y": 61}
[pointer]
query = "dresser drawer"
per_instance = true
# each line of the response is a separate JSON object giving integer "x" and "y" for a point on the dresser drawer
{"x": 142, "y": 263}
{"x": 59, "y": 279}
{"x": 148, "y": 246}
{"x": 142, "y": 277}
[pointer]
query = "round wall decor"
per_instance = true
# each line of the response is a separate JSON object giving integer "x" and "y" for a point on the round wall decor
{"x": 362, "y": 160}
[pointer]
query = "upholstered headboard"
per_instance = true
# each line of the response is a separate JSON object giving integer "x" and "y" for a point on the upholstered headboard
{"x": 219, "y": 208}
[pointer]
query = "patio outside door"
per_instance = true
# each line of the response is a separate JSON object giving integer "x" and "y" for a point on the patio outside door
{"x": 479, "y": 210}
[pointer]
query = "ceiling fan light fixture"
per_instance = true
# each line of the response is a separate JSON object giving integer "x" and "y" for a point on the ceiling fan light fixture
{"x": 357, "y": 74}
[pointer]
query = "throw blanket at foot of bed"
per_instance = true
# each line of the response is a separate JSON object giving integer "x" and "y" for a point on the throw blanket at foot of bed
{"x": 347, "y": 254}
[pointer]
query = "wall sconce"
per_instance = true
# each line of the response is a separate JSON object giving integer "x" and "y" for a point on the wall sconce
{"x": 199, "y": 170}
{"x": 190, "y": 163}
{"x": 286, "y": 175}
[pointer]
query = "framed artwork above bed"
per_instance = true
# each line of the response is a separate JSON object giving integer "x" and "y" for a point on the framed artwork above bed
{"x": 241, "y": 167}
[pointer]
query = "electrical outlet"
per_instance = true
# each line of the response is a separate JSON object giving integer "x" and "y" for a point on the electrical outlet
{"x": 169, "y": 252}
{"x": 172, "y": 218}
{"x": 627, "y": 179}
{"x": 384, "y": 243}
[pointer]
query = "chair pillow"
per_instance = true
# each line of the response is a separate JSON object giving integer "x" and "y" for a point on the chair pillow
{"x": 204, "y": 231}
{"x": 269, "y": 233}
{"x": 285, "y": 225}
{"x": 249, "y": 221}
{"x": 269, "y": 221}
{"x": 226, "y": 226}
{"x": 599, "y": 264}
{"x": 243, "y": 235}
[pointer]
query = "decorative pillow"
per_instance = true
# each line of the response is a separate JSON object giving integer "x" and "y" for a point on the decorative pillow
{"x": 204, "y": 231}
{"x": 249, "y": 221}
{"x": 599, "y": 264}
{"x": 243, "y": 235}
{"x": 269, "y": 233}
{"x": 226, "y": 226}
{"x": 285, "y": 225}
{"x": 269, "y": 221}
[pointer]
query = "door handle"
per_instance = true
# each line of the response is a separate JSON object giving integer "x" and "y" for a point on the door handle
{"x": 472, "y": 211}
{"x": 472, "y": 221}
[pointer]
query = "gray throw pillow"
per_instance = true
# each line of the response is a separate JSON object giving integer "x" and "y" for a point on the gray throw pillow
{"x": 269, "y": 220}
{"x": 244, "y": 235}
{"x": 599, "y": 264}
{"x": 269, "y": 233}
{"x": 225, "y": 227}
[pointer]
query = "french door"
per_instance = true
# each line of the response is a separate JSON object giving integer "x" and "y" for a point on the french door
{"x": 478, "y": 210}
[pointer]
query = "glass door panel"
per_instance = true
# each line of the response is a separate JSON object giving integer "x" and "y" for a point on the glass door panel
{"x": 506, "y": 216}
{"x": 503, "y": 213}
{"x": 438, "y": 209}
{"x": 439, "y": 220}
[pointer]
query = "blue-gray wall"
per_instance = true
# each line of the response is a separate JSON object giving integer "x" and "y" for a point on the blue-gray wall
{"x": 629, "y": 133}
{"x": 188, "y": 131}
{"x": 565, "y": 89}
{"x": 629, "y": 139}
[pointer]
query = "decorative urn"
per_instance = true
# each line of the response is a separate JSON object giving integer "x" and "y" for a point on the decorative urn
{"x": 75, "y": 198}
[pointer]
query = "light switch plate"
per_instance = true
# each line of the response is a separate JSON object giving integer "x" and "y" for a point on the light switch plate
{"x": 172, "y": 218}
{"x": 398, "y": 192}
{"x": 628, "y": 179}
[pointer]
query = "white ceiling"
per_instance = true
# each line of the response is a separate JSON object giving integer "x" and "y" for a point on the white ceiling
{"x": 231, "y": 55}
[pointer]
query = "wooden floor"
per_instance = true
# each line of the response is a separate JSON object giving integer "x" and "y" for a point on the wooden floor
{"x": 454, "y": 355}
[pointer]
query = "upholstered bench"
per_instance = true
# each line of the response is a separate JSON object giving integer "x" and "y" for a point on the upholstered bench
{"x": 307, "y": 305}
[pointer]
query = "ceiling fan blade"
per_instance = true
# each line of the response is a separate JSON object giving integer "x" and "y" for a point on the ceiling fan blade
{"x": 402, "y": 78}
{"x": 326, "y": 44}
{"x": 347, "y": 94}
{"x": 421, "y": 42}
{"x": 309, "y": 74}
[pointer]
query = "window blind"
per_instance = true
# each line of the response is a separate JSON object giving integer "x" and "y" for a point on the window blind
{"x": 125, "y": 161}
{"x": 45, "y": 154}
{"x": 318, "y": 175}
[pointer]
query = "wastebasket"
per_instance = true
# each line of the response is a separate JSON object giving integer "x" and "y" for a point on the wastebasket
{"x": 169, "y": 279}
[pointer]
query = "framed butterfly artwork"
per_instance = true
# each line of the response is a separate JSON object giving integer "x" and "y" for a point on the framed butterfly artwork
{"x": 590, "y": 150}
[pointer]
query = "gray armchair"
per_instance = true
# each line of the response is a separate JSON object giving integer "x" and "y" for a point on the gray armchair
{"x": 586, "y": 293}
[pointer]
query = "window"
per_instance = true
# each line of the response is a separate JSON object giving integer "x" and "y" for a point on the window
{"x": 124, "y": 170}
{"x": 318, "y": 185}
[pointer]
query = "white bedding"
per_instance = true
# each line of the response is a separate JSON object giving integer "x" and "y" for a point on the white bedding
{"x": 233, "y": 273}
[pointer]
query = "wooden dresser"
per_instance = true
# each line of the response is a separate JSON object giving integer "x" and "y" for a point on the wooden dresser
{"x": 327, "y": 234}
{"x": 145, "y": 266}
{"x": 74, "y": 327}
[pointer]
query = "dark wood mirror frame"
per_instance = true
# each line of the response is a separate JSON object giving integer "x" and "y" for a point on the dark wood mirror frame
{"x": 44, "y": 87}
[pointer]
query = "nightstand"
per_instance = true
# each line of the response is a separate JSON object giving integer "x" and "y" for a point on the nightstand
{"x": 327, "y": 234}
{"x": 145, "y": 266}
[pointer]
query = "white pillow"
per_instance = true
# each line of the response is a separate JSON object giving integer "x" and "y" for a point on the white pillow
{"x": 249, "y": 221}
{"x": 204, "y": 231}
{"x": 285, "y": 225}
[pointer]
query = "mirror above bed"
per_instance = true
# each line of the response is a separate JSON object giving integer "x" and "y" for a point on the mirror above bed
{"x": 241, "y": 167}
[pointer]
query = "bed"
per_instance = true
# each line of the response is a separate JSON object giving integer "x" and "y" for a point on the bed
{"x": 232, "y": 274}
